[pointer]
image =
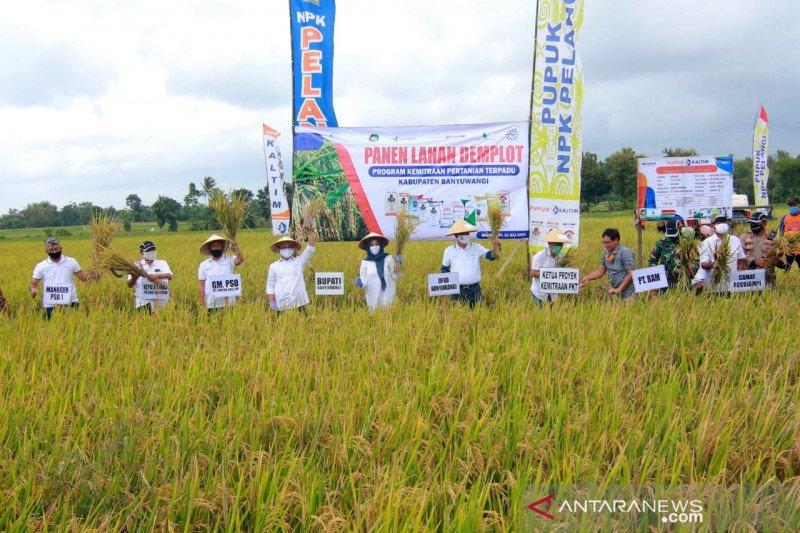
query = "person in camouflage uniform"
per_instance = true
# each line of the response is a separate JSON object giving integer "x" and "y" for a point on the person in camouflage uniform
{"x": 665, "y": 252}
{"x": 757, "y": 246}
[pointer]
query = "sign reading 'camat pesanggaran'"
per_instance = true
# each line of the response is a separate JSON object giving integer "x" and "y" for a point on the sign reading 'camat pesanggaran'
{"x": 439, "y": 174}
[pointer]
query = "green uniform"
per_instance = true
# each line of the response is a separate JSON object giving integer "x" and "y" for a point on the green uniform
{"x": 665, "y": 253}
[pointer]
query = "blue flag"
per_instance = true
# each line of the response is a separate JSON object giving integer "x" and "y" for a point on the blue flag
{"x": 312, "y": 55}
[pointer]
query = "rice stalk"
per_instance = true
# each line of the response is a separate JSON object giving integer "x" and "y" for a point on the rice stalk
{"x": 404, "y": 227}
{"x": 102, "y": 228}
{"x": 722, "y": 261}
{"x": 119, "y": 265}
{"x": 497, "y": 220}
{"x": 229, "y": 210}
{"x": 688, "y": 255}
{"x": 567, "y": 258}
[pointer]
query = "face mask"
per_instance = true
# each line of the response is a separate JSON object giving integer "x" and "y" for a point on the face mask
{"x": 722, "y": 228}
{"x": 150, "y": 256}
{"x": 756, "y": 228}
{"x": 557, "y": 249}
{"x": 464, "y": 239}
{"x": 54, "y": 255}
{"x": 287, "y": 253}
{"x": 374, "y": 249}
{"x": 216, "y": 253}
{"x": 794, "y": 210}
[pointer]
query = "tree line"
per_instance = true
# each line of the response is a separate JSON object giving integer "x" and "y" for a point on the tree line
{"x": 166, "y": 212}
{"x": 611, "y": 183}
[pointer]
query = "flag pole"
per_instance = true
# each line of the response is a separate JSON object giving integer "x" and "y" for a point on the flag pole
{"x": 291, "y": 123}
{"x": 530, "y": 133}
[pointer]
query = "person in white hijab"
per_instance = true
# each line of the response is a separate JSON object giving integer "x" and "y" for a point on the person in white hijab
{"x": 377, "y": 273}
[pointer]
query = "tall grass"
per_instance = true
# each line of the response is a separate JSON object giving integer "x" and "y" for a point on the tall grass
{"x": 417, "y": 417}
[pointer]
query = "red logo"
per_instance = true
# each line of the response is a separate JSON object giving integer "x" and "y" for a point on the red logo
{"x": 543, "y": 505}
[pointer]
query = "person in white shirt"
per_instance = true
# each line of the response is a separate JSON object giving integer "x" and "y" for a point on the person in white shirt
{"x": 286, "y": 285}
{"x": 547, "y": 258}
{"x": 378, "y": 272}
{"x": 218, "y": 264}
{"x": 708, "y": 250}
{"x": 158, "y": 272}
{"x": 464, "y": 258}
{"x": 56, "y": 274}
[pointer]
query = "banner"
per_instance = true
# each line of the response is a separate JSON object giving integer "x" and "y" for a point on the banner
{"x": 760, "y": 159}
{"x": 312, "y": 61}
{"x": 691, "y": 188}
{"x": 555, "y": 139}
{"x": 278, "y": 206}
{"x": 439, "y": 174}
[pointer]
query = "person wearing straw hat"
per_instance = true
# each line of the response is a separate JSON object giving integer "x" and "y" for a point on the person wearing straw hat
{"x": 56, "y": 273}
{"x": 157, "y": 272}
{"x": 547, "y": 258}
{"x": 464, "y": 258}
{"x": 218, "y": 264}
{"x": 286, "y": 285}
{"x": 377, "y": 273}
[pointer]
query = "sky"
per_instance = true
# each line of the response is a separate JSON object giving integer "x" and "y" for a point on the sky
{"x": 101, "y": 98}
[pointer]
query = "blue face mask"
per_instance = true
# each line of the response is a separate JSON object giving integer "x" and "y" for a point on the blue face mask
{"x": 794, "y": 210}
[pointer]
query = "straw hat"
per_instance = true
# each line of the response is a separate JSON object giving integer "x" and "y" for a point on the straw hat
{"x": 205, "y": 248}
{"x": 555, "y": 236}
{"x": 372, "y": 235}
{"x": 461, "y": 226}
{"x": 285, "y": 238}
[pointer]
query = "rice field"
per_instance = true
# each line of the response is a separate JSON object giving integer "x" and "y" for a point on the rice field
{"x": 419, "y": 417}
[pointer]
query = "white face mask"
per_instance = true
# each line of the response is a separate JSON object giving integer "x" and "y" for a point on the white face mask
{"x": 722, "y": 228}
{"x": 150, "y": 256}
{"x": 374, "y": 249}
{"x": 287, "y": 253}
{"x": 464, "y": 239}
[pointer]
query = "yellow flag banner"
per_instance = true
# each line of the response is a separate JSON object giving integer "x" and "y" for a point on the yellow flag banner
{"x": 554, "y": 179}
{"x": 760, "y": 157}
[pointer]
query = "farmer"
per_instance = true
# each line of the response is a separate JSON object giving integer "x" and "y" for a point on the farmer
{"x": 619, "y": 262}
{"x": 4, "y": 307}
{"x": 464, "y": 258}
{"x": 56, "y": 273}
{"x": 708, "y": 252}
{"x": 218, "y": 264}
{"x": 286, "y": 286}
{"x": 790, "y": 225}
{"x": 547, "y": 258}
{"x": 158, "y": 272}
{"x": 665, "y": 252}
{"x": 757, "y": 246}
{"x": 378, "y": 272}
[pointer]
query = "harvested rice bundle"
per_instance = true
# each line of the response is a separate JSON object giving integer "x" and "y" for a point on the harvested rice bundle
{"x": 497, "y": 220}
{"x": 102, "y": 229}
{"x": 688, "y": 254}
{"x": 404, "y": 227}
{"x": 229, "y": 211}
{"x": 722, "y": 262}
{"x": 119, "y": 265}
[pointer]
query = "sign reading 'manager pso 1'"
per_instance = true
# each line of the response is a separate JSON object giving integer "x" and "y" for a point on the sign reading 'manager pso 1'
{"x": 443, "y": 284}
{"x": 560, "y": 280}
{"x": 329, "y": 283}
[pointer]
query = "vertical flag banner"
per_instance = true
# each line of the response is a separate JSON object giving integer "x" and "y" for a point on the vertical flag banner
{"x": 278, "y": 206}
{"x": 554, "y": 179}
{"x": 760, "y": 159}
{"x": 312, "y": 24}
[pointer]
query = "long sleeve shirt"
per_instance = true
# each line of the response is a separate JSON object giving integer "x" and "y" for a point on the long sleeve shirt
{"x": 286, "y": 282}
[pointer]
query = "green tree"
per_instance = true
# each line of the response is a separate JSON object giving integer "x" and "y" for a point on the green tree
{"x": 679, "y": 152}
{"x": 209, "y": 187}
{"x": 134, "y": 203}
{"x": 785, "y": 172}
{"x": 595, "y": 184}
{"x": 621, "y": 168}
{"x": 127, "y": 218}
{"x": 166, "y": 211}
{"x": 193, "y": 196}
{"x": 40, "y": 215}
{"x": 743, "y": 177}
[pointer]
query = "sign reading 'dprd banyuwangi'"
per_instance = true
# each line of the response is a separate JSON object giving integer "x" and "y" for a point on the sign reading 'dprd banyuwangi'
{"x": 650, "y": 279}
{"x": 149, "y": 291}
{"x": 748, "y": 280}
{"x": 443, "y": 284}
{"x": 560, "y": 280}
{"x": 329, "y": 283}
{"x": 224, "y": 286}
{"x": 56, "y": 295}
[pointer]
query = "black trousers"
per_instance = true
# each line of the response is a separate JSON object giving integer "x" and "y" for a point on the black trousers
{"x": 48, "y": 311}
{"x": 470, "y": 294}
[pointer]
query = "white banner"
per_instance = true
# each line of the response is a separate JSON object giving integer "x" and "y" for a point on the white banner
{"x": 56, "y": 295}
{"x": 443, "y": 284}
{"x": 278, "y": 205}
{"x": 760, "y": 158}
{"x": 690, "y": 188}
{"x": 224, "y": 286}
{"x": 748, "y": 280}
{"x": 149, "y": 291}
{"x": 650, "y": 279}
{"x": 560, "y": 280}
{"x": 329, "y": 283}
{"x": 439, "y": 174}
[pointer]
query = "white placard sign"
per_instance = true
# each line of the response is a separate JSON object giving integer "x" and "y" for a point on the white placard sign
{"x": 56, "y": 295}
{"x": 560, "y": 280}
{"x": 149, "y": 291}
{"x": 329, "y": 283}
{"x": 748, "y": 280}
{"x": 224, "y": 286}
{"x": 650, "y": 279}
{"x": 443, "y": 284}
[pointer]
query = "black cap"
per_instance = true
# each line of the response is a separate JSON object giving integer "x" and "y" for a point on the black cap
{"x": 721, "y": 218}
{"x": 671, "y": 227}
{"x": 147, "y": 246}
{"x": 759, "y": 217}
{"x": 793, "y": 201}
